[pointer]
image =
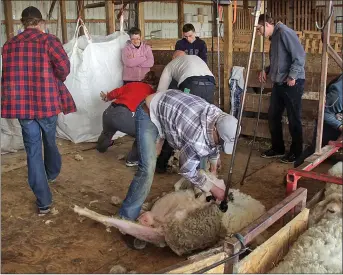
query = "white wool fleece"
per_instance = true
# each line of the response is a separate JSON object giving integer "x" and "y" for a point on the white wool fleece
{"x": 318, "y": 250}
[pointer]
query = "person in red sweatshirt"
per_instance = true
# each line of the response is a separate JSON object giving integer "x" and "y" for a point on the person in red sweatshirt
{"x": 119, "y": 116}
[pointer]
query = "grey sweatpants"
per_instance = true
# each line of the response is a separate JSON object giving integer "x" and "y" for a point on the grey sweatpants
{"x": 117, "y": 118}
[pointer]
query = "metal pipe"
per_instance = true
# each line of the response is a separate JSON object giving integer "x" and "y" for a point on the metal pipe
{"x": 324, "y": 69}
{"x": 218, "y": 52}
{"x": 223, "y": 205}
{"x": 259, "y": 105}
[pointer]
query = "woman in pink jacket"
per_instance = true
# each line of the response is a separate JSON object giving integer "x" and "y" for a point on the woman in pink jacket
{"x": 137, "y": 57}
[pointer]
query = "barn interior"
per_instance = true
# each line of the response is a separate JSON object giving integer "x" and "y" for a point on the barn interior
{"x": 64, "y": 242}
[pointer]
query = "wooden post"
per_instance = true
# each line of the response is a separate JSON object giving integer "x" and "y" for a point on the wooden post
{"x": 180, "y": 16}
{"x": 8, "y": 19}
{"x": 323, "y": 78}
{"x": 81, "y": 12}
{"x": 110, "y": 19}
{"x": 63, "y": 21}
{"x": 228, "y": 49}
{"x": 141, "y": 19}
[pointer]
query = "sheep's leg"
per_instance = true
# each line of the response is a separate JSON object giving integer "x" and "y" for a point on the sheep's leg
{"x": 145, "y": 233}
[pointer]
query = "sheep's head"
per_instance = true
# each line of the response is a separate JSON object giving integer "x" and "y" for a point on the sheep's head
{"x": 331, "y": 206}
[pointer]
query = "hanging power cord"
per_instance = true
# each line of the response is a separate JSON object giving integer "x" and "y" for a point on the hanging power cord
{"x": 259, "y": 104}
{"x": 224, "y": 204}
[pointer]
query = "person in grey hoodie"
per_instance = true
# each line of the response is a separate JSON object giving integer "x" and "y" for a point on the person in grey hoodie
{"x": 286, "y": 70}
{"x": 137, "y": 57}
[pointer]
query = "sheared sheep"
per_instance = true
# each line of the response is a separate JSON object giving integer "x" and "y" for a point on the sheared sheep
{"x": 319, "y": 249}
{"x": 186, "y": 223}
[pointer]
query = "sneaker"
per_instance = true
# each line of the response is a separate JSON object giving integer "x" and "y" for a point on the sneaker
{"x": 134, "y": 243}
{"x": 131, "y": 163}
{"x": 271, "y": 154}
{"x": 51, "y": 181}
{"x": 288, "y": 158}
{"x": 44, "y": 210}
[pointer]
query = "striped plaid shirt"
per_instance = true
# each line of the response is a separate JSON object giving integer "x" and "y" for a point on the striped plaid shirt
{"x": 35, "y": 66}
{"x": 187, "y": 123}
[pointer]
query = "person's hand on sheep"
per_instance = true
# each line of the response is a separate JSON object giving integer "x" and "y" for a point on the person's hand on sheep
{"x": 103, "y": 96}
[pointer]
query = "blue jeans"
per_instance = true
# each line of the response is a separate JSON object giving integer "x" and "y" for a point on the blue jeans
{"x": 39, "y": 170}
{"x": 146, "y": 136}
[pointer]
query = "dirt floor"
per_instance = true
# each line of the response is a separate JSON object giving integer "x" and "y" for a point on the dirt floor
{"x": 65, "y": 243}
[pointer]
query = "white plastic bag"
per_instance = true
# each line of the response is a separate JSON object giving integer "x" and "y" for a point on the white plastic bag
{"x": 95, "y": 66}
{"x": 11, "y": 138}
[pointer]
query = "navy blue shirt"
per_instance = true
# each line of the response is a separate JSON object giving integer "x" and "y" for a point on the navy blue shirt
{"x": 198, "y": 47}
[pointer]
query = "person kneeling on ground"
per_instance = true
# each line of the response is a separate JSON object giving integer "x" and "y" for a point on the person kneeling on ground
{"x": 119, "y": 116}
{"x": 333, "y": 116}
{"x": 189, "y": 124}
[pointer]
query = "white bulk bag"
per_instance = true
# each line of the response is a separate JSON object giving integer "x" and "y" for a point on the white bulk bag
{"x": 11, "y": 138}
{"x": 95, "y": 66}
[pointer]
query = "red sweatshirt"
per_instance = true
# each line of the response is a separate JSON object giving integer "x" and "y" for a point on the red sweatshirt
{"x": 130, "y": 94}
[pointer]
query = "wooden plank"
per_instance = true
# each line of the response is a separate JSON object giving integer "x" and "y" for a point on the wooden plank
{"x": 180, "y": 16}
{"x": 110, "y": 17}
{"x": 264, "y": 257}
{"x": 309, "y": 107}
{"x": 141, "y": 19}
{"x": 63, "y": 12}
{"x": 228, "y": 45}
{"x": 8, "y": 19}
{"x": 190, "y": 266}
{"x": 248, "y": 126}
{"x": 81, "y": 13}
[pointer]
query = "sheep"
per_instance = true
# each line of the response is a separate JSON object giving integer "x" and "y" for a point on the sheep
{"x": 331, "y": 205}
{"x": 185, "y": 222}
{"x": 319, "y": 249}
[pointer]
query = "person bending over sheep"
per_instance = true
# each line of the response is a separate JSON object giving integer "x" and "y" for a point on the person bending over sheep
{"x": 119, "y": 116}
{"x": 189, "y": 124}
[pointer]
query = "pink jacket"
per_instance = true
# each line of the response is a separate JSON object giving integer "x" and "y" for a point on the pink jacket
{"x": 137, "y": 62}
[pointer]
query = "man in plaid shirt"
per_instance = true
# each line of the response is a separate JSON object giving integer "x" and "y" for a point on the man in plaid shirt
{"x": 35, "y": 66}
{"x": 190, "y": 124}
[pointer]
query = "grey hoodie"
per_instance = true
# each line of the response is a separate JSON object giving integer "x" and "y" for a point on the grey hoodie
{"x": 286, "y": 55}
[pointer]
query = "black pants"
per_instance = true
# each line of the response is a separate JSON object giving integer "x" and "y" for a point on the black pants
{"x": 200, "y": 86}
{"x": 117, "y": 118}
{"x": 329, "y": 134}
{"x": 289, "y": 97}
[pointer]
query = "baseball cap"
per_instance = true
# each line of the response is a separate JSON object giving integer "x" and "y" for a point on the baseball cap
{"x": 226, "y": 126}
{"x": 31, "y": 12}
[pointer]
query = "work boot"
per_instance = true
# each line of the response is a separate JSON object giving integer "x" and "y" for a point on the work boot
{"x": 272, "y": 154}
{"x": 288, "y": 158}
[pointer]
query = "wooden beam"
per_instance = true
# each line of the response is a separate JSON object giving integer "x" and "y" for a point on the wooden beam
{"x": 248, "y": 126}
{"x": 323, "y": 79}
{"x": 110, "y": 17}
{"x": 141, "y": 19}
{"x": 180, "y": 16}
{"x": 96, "y": 5}
{"x": 81, "y": 13}
{"x": 8, "y": 19}
{"x": 228, "y": 50}
{"x": 251, "y": 105}
{"x": 267, "y": 255}
{"x": 63, "y": 12}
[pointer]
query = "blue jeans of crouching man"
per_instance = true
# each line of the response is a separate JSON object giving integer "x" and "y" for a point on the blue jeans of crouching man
{"x": 146, "y": 136}
{"x": 41, "y": 170}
